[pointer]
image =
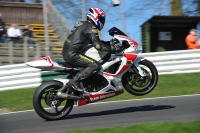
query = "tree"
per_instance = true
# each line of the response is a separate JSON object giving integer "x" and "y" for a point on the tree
{"x": 198, "y": 3}
{"x": 176, "y": 9}
{"x": 37, "y": 1}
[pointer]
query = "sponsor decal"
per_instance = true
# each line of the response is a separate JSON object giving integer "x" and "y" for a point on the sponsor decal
{"x": 106, "y": 96}
{"x": 67, "y": 40}
{"x": 86, "y": 100}
{"x": 132, "y": 42}
{"x": 94, "y": 30}
{"x": 96, "y": 97}
{"x": 101, "y": 97}
{"x": 86, "y": 58}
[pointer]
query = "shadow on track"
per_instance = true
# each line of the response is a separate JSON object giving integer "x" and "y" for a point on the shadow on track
{"x": 122, "y": 110}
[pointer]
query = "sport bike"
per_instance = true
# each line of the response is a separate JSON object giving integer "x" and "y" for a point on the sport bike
{"x": 127, "y": 70}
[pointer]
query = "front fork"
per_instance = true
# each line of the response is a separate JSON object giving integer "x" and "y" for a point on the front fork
{"x": 136, "y": 68}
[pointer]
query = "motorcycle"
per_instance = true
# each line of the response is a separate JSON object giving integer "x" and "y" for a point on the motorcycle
{"x": 127, "y": 70}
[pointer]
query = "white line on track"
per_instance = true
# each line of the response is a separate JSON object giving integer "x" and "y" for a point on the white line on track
{"x": 116, "y": 101}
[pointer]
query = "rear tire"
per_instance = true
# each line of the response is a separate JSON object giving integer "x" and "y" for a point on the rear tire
{"x": 43, "y": 98}
{"x": 137, "y": 86}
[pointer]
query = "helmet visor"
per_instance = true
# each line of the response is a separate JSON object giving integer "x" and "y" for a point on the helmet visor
{"x": 102, "y": 19}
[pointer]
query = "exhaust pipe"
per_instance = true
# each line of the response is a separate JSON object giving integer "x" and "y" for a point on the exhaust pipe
{"x": 68, "y": 96}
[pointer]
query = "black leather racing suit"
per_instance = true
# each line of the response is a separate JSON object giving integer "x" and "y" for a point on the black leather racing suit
{"x": 81, "y": 35}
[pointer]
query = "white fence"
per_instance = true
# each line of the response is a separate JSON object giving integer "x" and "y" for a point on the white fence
{"x": 19, "y": 76}
{"x": 171, "y": 62}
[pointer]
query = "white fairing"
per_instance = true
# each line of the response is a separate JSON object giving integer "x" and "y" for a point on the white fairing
{"x": 95, "y": 54}
{"x": 39, "y": 64}
{"x": 134, "y": 46}
{"x": 47, "y": 64}
{"x": 44, "y": 62}
{"x": 98, "y": 55}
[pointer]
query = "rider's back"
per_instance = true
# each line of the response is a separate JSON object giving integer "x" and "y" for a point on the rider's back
{"x": 78, "y": 39}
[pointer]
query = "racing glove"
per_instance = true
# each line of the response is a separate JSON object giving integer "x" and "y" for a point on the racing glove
{"x": 114, "y": 41}
{"x": 118, "y": 48}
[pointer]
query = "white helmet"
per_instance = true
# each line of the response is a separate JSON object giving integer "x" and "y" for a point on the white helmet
{"x": 97, "y": 15}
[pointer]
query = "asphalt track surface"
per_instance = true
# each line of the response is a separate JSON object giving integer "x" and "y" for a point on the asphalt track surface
{"x": 105, "y": 115}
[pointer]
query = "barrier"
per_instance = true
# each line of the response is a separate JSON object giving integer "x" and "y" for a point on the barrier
{"x": 19, "y": 76}
{"x": 171, "y": 62}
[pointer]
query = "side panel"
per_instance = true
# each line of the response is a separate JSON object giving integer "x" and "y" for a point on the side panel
{"x": 95, "y": 54}
{"x": 97, "y": 97}
{"x": 127, "y": 62}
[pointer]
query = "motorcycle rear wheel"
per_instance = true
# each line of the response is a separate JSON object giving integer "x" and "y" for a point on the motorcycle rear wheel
{"x": 138, "y": 86}
{"x": 43, "y": 99}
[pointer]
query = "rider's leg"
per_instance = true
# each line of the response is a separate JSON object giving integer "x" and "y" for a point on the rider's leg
{"x": 91, "y": 65}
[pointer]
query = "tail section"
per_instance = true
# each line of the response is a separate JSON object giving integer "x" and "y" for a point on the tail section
{"x": 42, "y": 63}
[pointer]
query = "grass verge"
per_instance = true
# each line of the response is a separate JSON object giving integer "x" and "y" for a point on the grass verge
{"x": 168, "y": 85}
{"x": 167, "y": 127}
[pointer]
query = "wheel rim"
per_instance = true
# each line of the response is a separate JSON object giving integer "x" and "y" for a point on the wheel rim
{"x": 140, "y": 84}
{"x": 52, "y": 107}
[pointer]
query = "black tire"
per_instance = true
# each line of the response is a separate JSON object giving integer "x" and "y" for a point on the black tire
{"x": 48, "y": 88}
{"x": 151, "y": 80}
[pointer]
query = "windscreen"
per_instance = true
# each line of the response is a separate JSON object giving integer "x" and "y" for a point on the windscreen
{"x": 113, "y": 31}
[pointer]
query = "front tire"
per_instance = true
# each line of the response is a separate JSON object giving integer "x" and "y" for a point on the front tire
{"x": 138, "y": 85}
{"x": 44, "y": 98}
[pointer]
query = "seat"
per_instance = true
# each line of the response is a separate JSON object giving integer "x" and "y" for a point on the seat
{"x": 64, "y": 64}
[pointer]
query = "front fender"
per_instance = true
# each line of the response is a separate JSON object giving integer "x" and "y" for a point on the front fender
{"x": 136, "y": 64}
{"x": 137, "y": 61}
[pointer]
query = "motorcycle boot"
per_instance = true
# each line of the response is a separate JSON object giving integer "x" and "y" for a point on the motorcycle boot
{"x": 75, "y": 84}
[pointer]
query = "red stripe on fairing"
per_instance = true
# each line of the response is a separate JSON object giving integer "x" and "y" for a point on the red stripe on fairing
{"x": 130, "y": 59}
{"x": 49, "y": 60}
{"x": 132, "y": 42}
{"x": 97, "y": 97}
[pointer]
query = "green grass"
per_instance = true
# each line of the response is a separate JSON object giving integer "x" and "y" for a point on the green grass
{"x": 167, "y": 127}
{"x": 17, "y": 100}
{"x": 168, "y": 85}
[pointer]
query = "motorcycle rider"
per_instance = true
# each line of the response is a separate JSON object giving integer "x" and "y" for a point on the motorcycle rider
{"x": 84, "y": 33}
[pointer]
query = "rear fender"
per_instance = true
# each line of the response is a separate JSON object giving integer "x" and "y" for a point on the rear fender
{"x": 63, "y": 81}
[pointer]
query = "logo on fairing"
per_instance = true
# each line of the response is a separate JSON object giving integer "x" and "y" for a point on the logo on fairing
{"x": 91, "y": 99}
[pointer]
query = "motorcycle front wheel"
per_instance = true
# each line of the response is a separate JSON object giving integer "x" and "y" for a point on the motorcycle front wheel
{"x": 139, "y": 85}
{"x": 45, "y": 105}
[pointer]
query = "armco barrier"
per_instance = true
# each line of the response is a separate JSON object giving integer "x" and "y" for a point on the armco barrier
{"x": 170, "y": 62}
{"x": 22, "y": 76}
{"x": 19, "y": 76}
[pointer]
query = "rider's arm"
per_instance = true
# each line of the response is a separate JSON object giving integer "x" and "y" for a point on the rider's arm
{"x": 93, "y": 34}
